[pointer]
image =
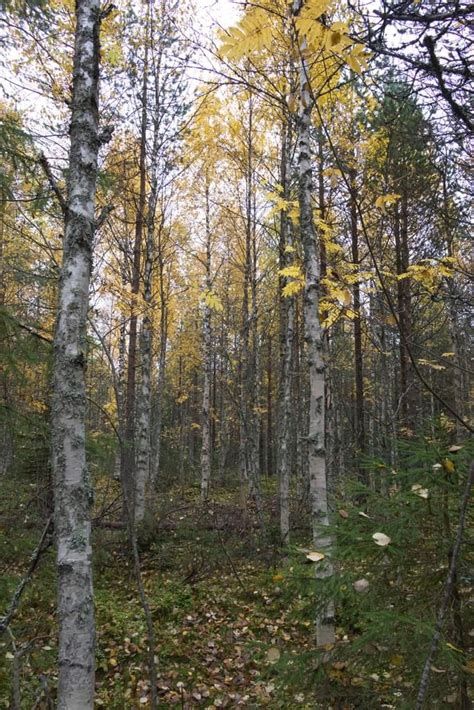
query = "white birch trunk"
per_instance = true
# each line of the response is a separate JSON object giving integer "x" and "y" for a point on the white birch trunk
{"x": 287, "y": 322}
{"x": 206, "y": 391}
{"x": 160, "y": 389}
{"x": 142, "y": 470}
{"x": 325, "y": 633}
{"x": 73, "y": 492}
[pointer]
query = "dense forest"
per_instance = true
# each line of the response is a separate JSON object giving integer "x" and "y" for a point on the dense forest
{"x": 235, "y": 319}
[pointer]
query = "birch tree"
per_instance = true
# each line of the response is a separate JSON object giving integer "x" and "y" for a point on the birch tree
{"x": 325, "y": 633}
{"x": 207, "y": 337}
{"x": 73, "y": 493}
{"x": 287, "y": 318}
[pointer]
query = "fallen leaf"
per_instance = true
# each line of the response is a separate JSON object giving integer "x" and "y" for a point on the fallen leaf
{"x": 361, "y": 585}
{"x": 381, "y": 539}
{"x": 343, "y": 513}
{"x": 396, "y": 660}
{"x": 363, "y": 515}
{"x": 418, "y": 490}
{"x": 469, "y": 667}
{"x": 273, "y": 654}
{"x": 455, "y": 447}
{"x": 315, "y": 556}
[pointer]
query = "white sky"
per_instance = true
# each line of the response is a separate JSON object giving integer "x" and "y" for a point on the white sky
{"x": 224, "y": 12}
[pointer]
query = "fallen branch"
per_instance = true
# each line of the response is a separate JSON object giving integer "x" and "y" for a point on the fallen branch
{"x": 43, "y": 545}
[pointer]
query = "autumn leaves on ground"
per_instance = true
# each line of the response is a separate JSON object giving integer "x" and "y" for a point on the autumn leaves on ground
{"x": 235, "y": 401}
{"x": 234, "y": 612}
{"x": 222, "y": 615}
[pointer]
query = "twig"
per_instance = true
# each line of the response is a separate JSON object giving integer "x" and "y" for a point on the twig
{"x": 43, "y": 545}
{"x": 104, "y": 213}
{"x": 132, "y": 537}
{"x": 52, "y": 181}
{"x": 16, "y": 690}
{"x": 226, "y": 553}
{"x": 448, "y": 590}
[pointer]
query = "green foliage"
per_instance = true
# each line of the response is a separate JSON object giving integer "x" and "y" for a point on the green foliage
{"x": 385, "y": 624}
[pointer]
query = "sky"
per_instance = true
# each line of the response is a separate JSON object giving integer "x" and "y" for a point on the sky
{"x": 224, "y": 12}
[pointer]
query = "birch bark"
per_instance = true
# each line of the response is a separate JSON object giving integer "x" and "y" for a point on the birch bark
{"x": 287, "y": 318}
{"x": 72, "y": 487}
{"x": 206, "y": 392}
{"x": 314, "y": 350}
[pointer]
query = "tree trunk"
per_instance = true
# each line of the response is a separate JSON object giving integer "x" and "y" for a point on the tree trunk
{"x": 325, "y": 633}
{"x": 269, "y": 427}
{"x": 287, "y": 317}
{"x": 73, "y": 493}
{"x": 142, "y": 474}
{"x": 128, "y": 458}
{"x": 358, "y": 362}
{"x": 206, "y": 390}
{"x": 407, "y": 393}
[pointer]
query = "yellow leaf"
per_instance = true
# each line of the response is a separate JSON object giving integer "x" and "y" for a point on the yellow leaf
{"x": 396, "y": 660}
{"x": 448, "y": 465}
{"x": 212, "y": 301}
{"x": 384, "y": 200}
{"x": 292, "y": 288}
{"x": 292, "y": 271}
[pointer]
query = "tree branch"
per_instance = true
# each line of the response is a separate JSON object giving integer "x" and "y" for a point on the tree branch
{"x": 52, "y": 181}
{"x": 43, "y": 545}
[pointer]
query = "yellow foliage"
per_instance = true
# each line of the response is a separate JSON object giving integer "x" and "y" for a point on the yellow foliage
{"x": 212, "y": 301}
{"x": 386, "y": 200}
{"x": 448, "y": 465}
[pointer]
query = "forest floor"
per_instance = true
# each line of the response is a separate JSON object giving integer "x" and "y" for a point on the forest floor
{"x": 232, "y": 614}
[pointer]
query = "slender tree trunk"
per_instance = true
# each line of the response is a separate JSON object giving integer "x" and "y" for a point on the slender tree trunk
{"x": 143, "y": 462}
{"x": 160, "y": 386}
{"x": 407, "y": 393}
{"x": 142, "y": 474}
{"x": 73, "y": 492}
{"x": 248, "y": 445}
{"x": 120, "y": 395}
{"x": 358, "y": 361}
{"x": 128, "y": 459}
{"x": 287, "y": 317}
{"x": 6, "y": 438}
{"x": 269, "y": 440}
{"x": 325, "y": 633}
{"x": 206, "y": 391}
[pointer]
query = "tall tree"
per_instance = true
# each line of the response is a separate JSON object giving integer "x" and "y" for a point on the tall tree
{"x": 73, "y": 493}
{"x": 325, "y": 630}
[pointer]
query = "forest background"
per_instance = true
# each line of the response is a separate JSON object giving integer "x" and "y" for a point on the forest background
{"x": 235, "y": 308}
